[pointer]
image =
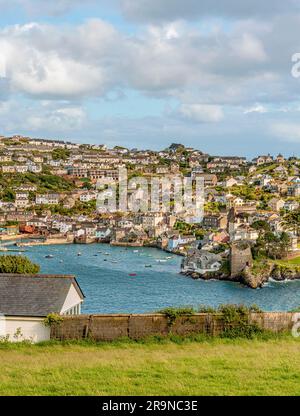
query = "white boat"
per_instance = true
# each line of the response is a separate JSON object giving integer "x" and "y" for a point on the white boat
{"x": 135, "y": 251}
{"x": 161, "y": 261}
{"x": 49, "y": 256}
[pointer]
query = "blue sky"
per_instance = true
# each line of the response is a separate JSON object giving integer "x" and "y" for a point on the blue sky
{"x": 145, "y": 73}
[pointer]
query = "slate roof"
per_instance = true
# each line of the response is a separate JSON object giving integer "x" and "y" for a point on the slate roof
{"x": 34, "y": 295}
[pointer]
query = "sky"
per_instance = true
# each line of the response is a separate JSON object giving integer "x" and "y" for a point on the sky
{"x": 216, "y": 76}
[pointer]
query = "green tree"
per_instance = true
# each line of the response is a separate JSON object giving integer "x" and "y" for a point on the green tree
{"x": 291, "y": 221}
{"x": 17, "y": 265}
{"x": 62, "y": 154}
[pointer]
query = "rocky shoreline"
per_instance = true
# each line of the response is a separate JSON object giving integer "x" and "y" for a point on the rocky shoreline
{"x": 248, "y": 277}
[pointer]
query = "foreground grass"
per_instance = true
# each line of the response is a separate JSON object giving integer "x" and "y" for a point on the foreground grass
{"x": 190, "y": 367}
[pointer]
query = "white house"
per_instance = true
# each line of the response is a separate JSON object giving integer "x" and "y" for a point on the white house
{"x": 49, "y": 199}
{"x": 62, "y": 226}
{"x": 21, "y": 168}
{"x": 291, "y": 205}
{"x": 34, "y": 168}
{"x": 25, "y": 301}
{"x": 88, "y": 196}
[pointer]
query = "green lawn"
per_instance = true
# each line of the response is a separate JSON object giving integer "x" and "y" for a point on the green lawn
{"x": 292, "y": 262}
{"x": 295, "y": 261}
{"x": 211, "y": 367}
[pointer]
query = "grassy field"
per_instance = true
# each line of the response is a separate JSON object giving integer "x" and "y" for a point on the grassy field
{"x": 209, "y": 367}
{"x": 295, "y": 261}
{"x": 292, "y": 262}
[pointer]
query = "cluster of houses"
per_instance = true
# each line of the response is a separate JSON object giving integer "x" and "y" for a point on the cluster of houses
{"x": 229, "y": 210}
{"x": 237, "y": 194}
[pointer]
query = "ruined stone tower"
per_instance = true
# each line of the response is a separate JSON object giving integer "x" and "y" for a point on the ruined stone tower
{"x": 240, "y": 257}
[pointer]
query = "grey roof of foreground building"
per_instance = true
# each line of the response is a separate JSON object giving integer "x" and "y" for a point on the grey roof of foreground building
{"x": 35, "y": 295}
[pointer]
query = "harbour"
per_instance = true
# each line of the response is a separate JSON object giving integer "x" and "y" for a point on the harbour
{"x": 103, "y": 272}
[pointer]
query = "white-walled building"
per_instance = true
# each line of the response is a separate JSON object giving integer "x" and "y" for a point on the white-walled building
{"x": 26, "y": 300}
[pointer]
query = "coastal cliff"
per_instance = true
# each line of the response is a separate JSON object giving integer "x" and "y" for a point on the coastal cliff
{"x": 255, "y": 276}
{"x": 269, "y": 270}
{"x": 237, "y": 266}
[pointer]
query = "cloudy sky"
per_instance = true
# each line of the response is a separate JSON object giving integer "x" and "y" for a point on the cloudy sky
{"x": 145, "y": 73}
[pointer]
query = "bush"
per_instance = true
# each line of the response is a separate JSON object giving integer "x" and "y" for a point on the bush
{"x": 234, "y": 317}
{"x": 236, "y": 320}
{"x": 206, "y": 309}
{"x": 173, "y": 313}
{"x": 17, "y": 265}
{"x": 53, "y": 319}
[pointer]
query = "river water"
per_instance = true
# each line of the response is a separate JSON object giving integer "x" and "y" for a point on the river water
{"x": 103, "y": 273}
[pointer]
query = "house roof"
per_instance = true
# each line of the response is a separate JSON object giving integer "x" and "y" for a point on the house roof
{"x": 35, "y": 295}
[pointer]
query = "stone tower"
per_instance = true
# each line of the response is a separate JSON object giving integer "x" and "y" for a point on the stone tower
{"x": 240, "y": 257}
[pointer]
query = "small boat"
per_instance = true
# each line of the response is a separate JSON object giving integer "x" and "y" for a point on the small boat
{"x": 49, "y": 256}
{"x": 135, "y": 251}
{"x": 61, "y": 261}
{"x": 132, "y": 274}
{"x": 161, "y": 261}
{"x": 95, "y": 255}
{"x": 148, "y": 265}
{"x": 107, "y": 254}
{"x": 104, "y": 259}
{"x": 169, "y": 258}
{"x": 78, "y": 254}
{"x": 114, "y": 261}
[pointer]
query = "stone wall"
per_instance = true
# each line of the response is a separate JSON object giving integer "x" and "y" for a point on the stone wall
{"x": 112, "y": 327}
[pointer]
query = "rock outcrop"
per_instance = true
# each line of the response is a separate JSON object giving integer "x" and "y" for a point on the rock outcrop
{"x": 255, "y": 276}
{"x": 281, "y": 272}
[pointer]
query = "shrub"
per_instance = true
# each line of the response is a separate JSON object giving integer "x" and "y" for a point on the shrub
{"x": 206, "y": 309}
{"x": 173, "y": 313}
{"x": 236, "y": 320}
{"x": 17, "y": 265}
{"x": 53, "y": 319}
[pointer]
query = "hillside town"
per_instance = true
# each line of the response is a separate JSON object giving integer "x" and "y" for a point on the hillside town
{"x": 49, "y": 192}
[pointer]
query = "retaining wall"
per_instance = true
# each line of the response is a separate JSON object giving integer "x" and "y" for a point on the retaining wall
{"x": 112, "y": 327}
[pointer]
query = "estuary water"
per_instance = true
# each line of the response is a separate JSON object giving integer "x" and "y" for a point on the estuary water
{"x": 103, "y": 273}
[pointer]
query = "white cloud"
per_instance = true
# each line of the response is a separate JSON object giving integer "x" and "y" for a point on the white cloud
{"x": 206, "y": 73}
{"x": 248, "y": 47}
{"x": 257, "y": 108}
{"x": 67, "y": 119}
{"x": 237, "y": 67}
{"x": 35, "y": 116}
{"x": 166, "y": 10}
{"x": 201, "y": 113}
{"x": 41, "y": 60}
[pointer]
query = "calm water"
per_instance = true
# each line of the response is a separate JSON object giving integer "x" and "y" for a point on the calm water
{"x": 109, "y": 288}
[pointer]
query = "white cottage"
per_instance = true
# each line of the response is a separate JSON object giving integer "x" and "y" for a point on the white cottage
{"x": 25, "y": 301}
